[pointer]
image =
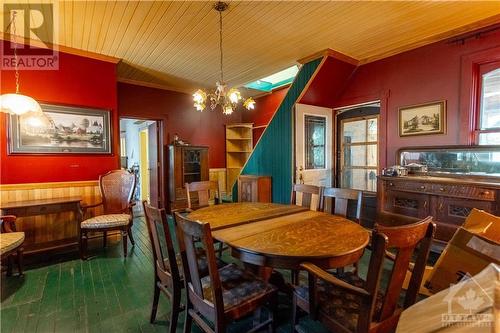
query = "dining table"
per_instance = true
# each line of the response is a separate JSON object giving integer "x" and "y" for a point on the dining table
{"x": 284, "y": 236}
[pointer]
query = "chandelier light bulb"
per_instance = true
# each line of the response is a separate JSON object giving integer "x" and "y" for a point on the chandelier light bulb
{"x": 234, "y": 95}
{"x": 228, "y": 109}
{"x": 249, "y": 104}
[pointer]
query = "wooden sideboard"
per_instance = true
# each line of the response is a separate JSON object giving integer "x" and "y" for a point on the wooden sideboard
{"x": 448, "y": 199}
{"x": 254, "y": 188}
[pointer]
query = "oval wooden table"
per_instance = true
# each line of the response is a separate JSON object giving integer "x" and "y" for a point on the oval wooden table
{"x": 284, "y": 236}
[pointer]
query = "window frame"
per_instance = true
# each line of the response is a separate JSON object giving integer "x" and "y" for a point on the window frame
{"x": 477, "y": 130}
{"x": 306, "y": 145}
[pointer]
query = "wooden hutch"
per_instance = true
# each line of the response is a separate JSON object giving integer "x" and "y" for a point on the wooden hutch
{"x": 450, "y": 188}
{"x": 239, "y": 146}
{"x": 186, "y": 164}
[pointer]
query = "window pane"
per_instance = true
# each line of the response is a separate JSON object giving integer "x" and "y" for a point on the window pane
{"x": 490, "y": 100}
{"x": 314, "y": 130}
{"x": 355, "y": 131}
{"x": 372, "y": 129}
{"x": 489, "y": 138}
{"x": 360, "y": 179}
{"x": 371, "y": 158}
{"x": 354, "y": 156}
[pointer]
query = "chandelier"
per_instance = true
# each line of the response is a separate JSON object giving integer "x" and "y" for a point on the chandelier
{"x": 16, "y": 103}
{"x": 226, "y": 99}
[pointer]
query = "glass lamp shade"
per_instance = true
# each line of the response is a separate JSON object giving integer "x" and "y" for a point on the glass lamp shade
{"x": 18, "y": 104}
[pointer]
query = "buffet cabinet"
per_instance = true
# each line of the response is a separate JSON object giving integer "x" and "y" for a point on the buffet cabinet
{"x": 448, "y": 200}
{"x": 254, "y": 188}
{"x": 186, "y": 164}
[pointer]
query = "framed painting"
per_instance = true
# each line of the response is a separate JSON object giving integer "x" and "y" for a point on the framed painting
{"x": 62, "y": 130}
{"x": 423, "y": 119}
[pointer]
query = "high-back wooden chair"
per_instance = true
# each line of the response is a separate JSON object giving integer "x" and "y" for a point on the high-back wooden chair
{"x": 307, "y": 193}
{"x": 203, "y": 191}
{"x": 336, "y": 201}
{"x": 347, "y": 303}
{"x": 117, "y": 189}
{"x": 11, "y": 243}
{"x": 167, "y": 275}
{"x": 227, "y": 293}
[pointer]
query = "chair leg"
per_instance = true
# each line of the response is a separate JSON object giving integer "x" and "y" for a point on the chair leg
{"x": 188, "y": 321}
{"x": 130, "y": 236}
{"x": 295, "y": 318}
{"x": 124, "y": 241}
{"x": 104, "y": 239}
{"x": 174, "y": 313}
{"x": 83, "y": 244}
{"x": 20, "y": 260}
{"x": 221, "y": 249}
{"x": 156, "y": 298}
{"x": 9, "y": 265}
{"x": 295, "y": 277}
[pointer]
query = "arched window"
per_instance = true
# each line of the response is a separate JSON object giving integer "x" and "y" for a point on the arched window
{"x": 488, "y": 129}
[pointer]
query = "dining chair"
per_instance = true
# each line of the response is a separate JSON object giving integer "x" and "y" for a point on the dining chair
{"x": 117, "y": 189}
{"x": 347, "y": 303}
{"x": 203, "y": 191}
{"x": 336, "y": 201}
{"x": 166, "y": 266}
{"x": 226, "y": 294}
{"x": 308, "y": 194}
{"x": 11, "y": 243}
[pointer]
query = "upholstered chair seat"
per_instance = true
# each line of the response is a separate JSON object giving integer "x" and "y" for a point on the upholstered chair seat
{"x": 106, "y": 221}
{"x": 10, "y": 241}
{"x": 238, "y": 286}
{"x": 338, "y": 304}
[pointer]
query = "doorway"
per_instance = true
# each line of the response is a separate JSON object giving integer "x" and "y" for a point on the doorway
{"x": 141, "y": 152}
{"x": 313, "y": 145}
{"x": 357, "y": 147}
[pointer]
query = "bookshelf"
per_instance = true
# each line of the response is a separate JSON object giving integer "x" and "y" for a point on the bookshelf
{"x": 239, "y": 146}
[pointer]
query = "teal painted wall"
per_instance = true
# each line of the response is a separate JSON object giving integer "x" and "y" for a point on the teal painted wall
{"x": 273, "y": 155}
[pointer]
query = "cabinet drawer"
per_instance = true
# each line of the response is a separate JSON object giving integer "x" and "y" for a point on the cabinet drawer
{"x": 409, "y": 204}
{"x": 454, "y": 210}
{"x": 464, "y": 191}
{"x": 408, "y": 186}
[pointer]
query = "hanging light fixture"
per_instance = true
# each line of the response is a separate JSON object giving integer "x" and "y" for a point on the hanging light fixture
{"x": 226, "y": 99}
{"x": 16, "y": 103}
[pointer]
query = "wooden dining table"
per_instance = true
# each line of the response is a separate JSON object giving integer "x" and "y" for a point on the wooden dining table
{"x": 284, "y": 236}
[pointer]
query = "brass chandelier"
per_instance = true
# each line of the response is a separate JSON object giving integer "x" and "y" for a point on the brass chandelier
{"x": 227, "y": 99}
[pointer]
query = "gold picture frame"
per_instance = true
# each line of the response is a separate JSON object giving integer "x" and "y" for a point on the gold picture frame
{"x": 422, "y": 119}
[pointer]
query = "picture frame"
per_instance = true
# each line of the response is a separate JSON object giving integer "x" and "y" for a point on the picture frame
{"x": 423, "y": 119}
{"x": 62, "y": 130}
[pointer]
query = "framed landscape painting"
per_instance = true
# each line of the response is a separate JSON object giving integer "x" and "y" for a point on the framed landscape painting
{"x": 429, "y": 118}
{"x": 62, "y": 130}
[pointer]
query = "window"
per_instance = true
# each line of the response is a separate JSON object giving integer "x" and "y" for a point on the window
{"x": 314, "y": 130}
{"x": 489, "y": 106}
{"x": 359, "y": 153}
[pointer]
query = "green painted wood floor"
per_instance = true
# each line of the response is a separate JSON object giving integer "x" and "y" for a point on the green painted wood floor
{"x": 103, "y": 294}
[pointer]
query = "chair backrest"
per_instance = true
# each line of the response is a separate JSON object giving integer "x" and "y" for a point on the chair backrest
{"x": 165, "y": 262}
{"x": 203, "y": 191}
{"x": 336, "y": 201}
{"x": 307, "y": 199}
{"x": 189, "y": 234}
{"x": 404, "y": 240}
{"x": 117, "y": 188}
{"x": 7, "y": 223}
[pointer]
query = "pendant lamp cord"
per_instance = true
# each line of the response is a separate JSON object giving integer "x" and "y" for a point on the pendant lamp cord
{"x": 220, "y": 48}
{"x": 14, "y": 33}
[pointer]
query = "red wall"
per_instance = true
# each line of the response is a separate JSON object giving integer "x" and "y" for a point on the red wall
{"x": 80, "y": 82}
{"x": 429, "y": 73}
{"x": 176, "y": 110}
{"x": 265, "y": 107}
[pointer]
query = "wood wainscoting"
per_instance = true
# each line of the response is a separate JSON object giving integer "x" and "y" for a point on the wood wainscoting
{"x": 51, "y": 231}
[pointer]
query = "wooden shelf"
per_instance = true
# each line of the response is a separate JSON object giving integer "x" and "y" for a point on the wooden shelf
{"x": 239, "y": 146}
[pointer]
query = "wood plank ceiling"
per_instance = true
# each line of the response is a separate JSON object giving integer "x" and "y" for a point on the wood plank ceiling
{"x": 175, "y": 43}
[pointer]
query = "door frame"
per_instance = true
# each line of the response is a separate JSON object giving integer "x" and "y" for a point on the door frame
{"x": 358, "y": 111}
{"x": 161, "y": 155}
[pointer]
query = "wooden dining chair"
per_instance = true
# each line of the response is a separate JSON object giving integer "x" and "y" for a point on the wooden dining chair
{"x": 226, "y": 294}
{"x": 11, "y": 243}
{"x": 204, "y": 191}
{"x": 117, "y": 189}
{"x": 307, "y": 193}
{"x": 347, "y": 303}
{"x": 336, "y": 201}
{"x": 166, "y": 266}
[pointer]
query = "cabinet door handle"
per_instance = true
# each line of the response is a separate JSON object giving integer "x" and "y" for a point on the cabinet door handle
{"x": 425, "y": 204}
{"x": 485, "y": 193}
{"x": 440, "y": 207}
{"x": 391, "y": 184}
{"x": 442, "y": 189}
{"x": 422, "y": 187}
